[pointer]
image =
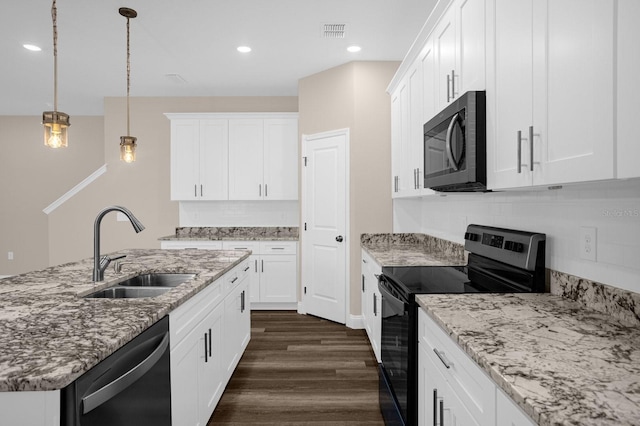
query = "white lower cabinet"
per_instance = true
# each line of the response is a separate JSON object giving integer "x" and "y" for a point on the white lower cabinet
{"x": 372, "y": 302}
{"x": 453, "y": 389}
{"x": 208, "y": 337}
{"x": 274, "y": 272}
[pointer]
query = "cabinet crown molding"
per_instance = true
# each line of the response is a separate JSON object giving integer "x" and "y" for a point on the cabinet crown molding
{"x": 229, "y": 115}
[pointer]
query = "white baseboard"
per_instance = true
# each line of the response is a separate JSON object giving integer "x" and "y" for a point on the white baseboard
{"x": 263, "y": 306}
{"x": 355, "y": 321}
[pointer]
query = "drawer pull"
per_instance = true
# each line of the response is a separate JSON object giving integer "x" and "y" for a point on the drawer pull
{"x": 246, "y": 269}
{"x": 443, "y": 358}
{"x": 234, "y": 280}
{"x": 277, "y": 248}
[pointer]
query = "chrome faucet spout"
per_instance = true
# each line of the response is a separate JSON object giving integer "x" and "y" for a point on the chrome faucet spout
{"x": 100, "y": 264}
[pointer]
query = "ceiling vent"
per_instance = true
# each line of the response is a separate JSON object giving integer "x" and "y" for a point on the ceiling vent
{"x": 334, "y": 30}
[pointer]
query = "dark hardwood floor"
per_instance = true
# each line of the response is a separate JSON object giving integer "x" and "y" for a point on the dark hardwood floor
{"x": 302, "y": 370}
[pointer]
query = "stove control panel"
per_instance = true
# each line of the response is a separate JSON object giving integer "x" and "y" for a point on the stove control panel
{"x": 516, "y": 248}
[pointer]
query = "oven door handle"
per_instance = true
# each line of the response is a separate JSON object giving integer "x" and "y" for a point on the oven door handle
{"x": 121, "y": 383}
{"x": 449, "y": 148}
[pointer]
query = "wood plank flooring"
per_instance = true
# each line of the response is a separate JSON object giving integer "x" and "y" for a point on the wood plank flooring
{"x": 302, "y": 370}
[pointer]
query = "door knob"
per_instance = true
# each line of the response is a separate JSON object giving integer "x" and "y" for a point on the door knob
{"x": 339, "y": 238}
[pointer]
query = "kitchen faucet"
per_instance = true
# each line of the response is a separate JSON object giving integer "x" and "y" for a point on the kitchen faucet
{"x": 100, "y": 264}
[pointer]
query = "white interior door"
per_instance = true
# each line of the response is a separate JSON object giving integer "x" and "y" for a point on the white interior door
{"x": 324, "y": 214}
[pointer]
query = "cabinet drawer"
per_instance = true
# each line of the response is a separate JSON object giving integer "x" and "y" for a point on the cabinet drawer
{"x": 185, "y": 317}
{"x": 201, "y": 245}
{"x": 474, "y": 388}
{"x": 236, "y": 275}
{"x": 254, "y": 246}
{"x": 278, "y": 247}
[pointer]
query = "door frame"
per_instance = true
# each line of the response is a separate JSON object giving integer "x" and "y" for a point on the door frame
{"x": 350, "y": 321}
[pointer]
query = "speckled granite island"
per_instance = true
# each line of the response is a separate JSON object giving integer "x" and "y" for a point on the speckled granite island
{"x": 562, "y": 363}
{"x": 50, "y": 335}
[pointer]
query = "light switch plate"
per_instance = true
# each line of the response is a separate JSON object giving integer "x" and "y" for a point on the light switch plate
{"x": 588, "y": 243}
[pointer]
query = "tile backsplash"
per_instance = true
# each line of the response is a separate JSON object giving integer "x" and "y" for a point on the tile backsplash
{"x": 238, "y": 213}
{"x": 613, "y": 208}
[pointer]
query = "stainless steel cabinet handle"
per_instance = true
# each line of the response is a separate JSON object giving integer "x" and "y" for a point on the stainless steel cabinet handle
{"x": 442, "y": 412}
{"x": 266, "y": 193}
{"x": 375, "y": 305}
{"x": 363, "y": 283}
{"x": 443, "y": 358}
{"x": 242, "y": 301}
{"x": 201, "y": 190}
{"x": 112, "y": 389}
{"x": 206, "y": 359}
{"x": 435, "y": 407}
{"x": 234, "y": 280}
{"x": 418, "y": 178}
{"x": 246, "y": 269}
{"x": 531, "y": 146}
{"x": 260, "y": 190}
{"x": 262, "y": 266}
{"x": 256, "y": 265}
{"x": 519, "y": 151}
{"x": 209, "y": 343}
{"x": 195, "y": 190}
{"x": 448, "y": 85}
{"x": 453, "y": 84}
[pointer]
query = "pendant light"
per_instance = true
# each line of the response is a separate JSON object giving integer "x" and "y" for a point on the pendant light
{"x": 55, "y": 122}
{"x": 128, "y": 143}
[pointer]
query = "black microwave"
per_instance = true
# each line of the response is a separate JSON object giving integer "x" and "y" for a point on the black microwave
{"x": 455, "y": 158}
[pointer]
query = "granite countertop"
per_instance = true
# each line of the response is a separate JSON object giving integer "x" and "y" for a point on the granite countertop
{"x": 412, "y": 250}
{"x": 273, "y": 233}
{"x": 562, "y": 363}
{"x": 50, "y": 335}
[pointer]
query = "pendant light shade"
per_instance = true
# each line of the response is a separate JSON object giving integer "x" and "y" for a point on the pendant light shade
{"x": 128, "y": 143}
{"x": 55, "y": 122}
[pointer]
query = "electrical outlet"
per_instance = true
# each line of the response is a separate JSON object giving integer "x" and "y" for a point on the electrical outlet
{"x": 588, "y": 243}
{"x": 9, "y": 255}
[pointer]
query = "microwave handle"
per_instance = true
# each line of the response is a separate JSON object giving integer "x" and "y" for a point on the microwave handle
{"x": 449, "y": 149}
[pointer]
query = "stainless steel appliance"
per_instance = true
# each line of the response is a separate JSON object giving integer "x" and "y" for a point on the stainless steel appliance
{"x": 131, "y": 387}
{"x": 500, "y": 261}
{"x": 455, "y": 146}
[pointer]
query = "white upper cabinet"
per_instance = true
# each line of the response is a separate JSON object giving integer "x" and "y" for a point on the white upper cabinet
{"x": 263, "y": 159}
{"x": 628, "y": 88}
{"x": 549, "y": 92}
{"x": 198, "y": 159}
{"x": 459, "y": 45}
{"x": 244, "y": 156}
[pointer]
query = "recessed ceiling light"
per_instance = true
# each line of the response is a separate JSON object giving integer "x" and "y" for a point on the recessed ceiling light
{"x": 32, "y": 47}
{"x": 354, "y": 49}
{"x": 244, "y": 49}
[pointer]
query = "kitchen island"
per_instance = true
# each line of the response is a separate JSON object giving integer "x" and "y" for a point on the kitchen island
{"x": 50, "y": 335}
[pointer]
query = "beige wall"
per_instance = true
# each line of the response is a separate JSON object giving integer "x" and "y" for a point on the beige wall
{"x": 33, "y": 177}
{"x": 354, "y": 96}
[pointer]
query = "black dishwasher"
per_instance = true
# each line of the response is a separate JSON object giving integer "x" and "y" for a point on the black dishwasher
{"x": 130, "y": 387}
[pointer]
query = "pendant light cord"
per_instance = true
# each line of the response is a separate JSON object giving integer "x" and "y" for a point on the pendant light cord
{"x": 128, "y": 76}
{"x": 54, "y": 18}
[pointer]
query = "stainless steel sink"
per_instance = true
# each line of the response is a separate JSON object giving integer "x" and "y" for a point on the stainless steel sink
{"x": 127, "y": 292}
{"x": 143, "y": 285}
{"x": 157, "y": 279}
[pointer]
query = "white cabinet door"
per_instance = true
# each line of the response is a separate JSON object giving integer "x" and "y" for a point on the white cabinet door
{"x": 470, "y": 46}
{"x": 198, "y": 159}
{"x": 246, "y": 159}
{"x": 277, "y": 272}
{"x": 403, "y": 172}
{"x": 237, "y": 324}
{"x": 551, "y": 81}
{"x": 573, "y": 91}
{"x": 444, "y": 39}
{"x": 281, "y": 159}
{"x": 213, "y": 164}
{"x": 372, "y": 303}
{"x": 185, "y": 380}
{"x": 212, "y": 375}
{"x": 185, "y": 159}
{"x": 628, "y": 88}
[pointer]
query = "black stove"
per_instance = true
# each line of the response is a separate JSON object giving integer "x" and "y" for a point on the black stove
{"x": 500, "y": 261}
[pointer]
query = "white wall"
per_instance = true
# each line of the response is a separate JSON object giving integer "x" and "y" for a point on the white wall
{"x": 613, "y": 208}
{"x": 239, "y": 213}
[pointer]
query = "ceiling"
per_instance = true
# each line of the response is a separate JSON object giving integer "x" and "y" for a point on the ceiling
{"x": 194, "y": 39}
